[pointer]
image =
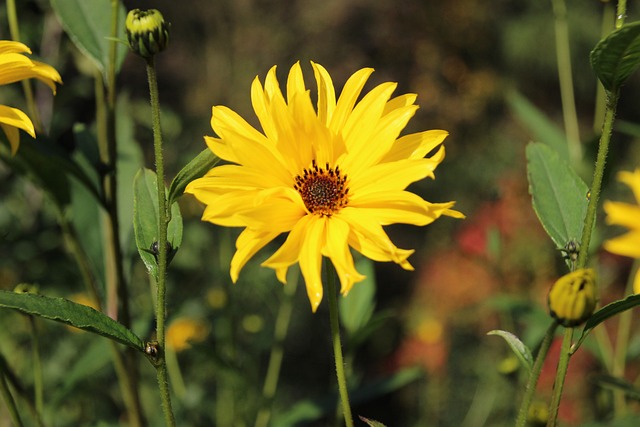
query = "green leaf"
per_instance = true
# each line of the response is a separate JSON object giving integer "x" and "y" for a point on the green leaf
{"x": 559, "y": 194}
{"x": 71, "y": 313}
{"x": 88, "y": 24}
{"x": 193, "y": 170}
{"x": 145, "y": 219}
{"x": 357, "y": 307}
{"x": 521, "y": 351}
{"x": 372, "y": 423}
{"x": 617, "y": 56}
{"x": 604, "y": 313}
{"x": 542, "y": 128}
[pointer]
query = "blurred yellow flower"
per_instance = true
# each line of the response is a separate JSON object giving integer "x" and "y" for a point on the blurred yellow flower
{"x": 331, "y": 177}
{"x": 14, "y": 67}
{"x": 183, "y": 331}
{"x": 626, "y": 215}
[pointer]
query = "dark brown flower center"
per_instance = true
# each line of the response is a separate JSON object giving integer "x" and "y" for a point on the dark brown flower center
{"x": 323, "y": 190}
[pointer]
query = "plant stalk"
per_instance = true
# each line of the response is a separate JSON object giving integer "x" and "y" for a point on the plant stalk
{"x": 337, "y": 344}
{"x": 163, "y": 221}
{"x": 534, "y": 375}
{"x": 561, "y": 374}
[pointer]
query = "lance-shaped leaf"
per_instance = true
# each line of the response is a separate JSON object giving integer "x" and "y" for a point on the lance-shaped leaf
{"x": 604, "y": 313}
{"x": 71, "y": 313}
{"x": 559, "y": 194}
{"x": 88, "y": 24}
{"x": 519, "y": 348}
{"x": 145, "y": 220}
{"x": 193, "y": 170}
{"x": 617, "y": 56}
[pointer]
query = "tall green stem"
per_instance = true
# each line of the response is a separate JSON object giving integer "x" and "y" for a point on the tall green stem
{"x": 535, "y": 374}
{"x": 561, "y": 374}
{"x": 596, "y": 184}
{"x": 337, "y": 344}
{"x": 161, "y": 369}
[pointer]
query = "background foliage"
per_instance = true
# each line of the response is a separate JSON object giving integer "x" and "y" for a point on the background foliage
{"x": 484, "y": 71}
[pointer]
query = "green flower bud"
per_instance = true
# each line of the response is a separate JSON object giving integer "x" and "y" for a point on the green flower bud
{"x": 572, "y": 297}
{"x": 147, "y": 32}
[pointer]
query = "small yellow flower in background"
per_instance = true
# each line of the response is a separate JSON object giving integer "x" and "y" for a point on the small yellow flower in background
{"x": 14, "y": 67}
{"x": 573, "y": 297}
{"x": 331, "y": 177}
{"x": 183, "y": 331}
{"x": 626, "y": 215}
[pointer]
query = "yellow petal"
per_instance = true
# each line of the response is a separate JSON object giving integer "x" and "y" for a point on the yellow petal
{"x": 415, "y": 145}
{"x": 12, "y": 119}
{"x": 9, "y": 46}
{"x": 326, "y": 94}
{"x": 311, "y": 260}
{"x": 632, "y": 179}
{"x": 361, "y": 123}
{"x": 348, "y": 98}
{"x": 627, "y": 245}
{"x": 337, "y": 249}
{"x": 394, "y": 175}
{"x": 622, "y": 214}
{"x": 378, "y": 144}
{"x": 401, "y": 207}
{"x": 249, "y": 242}
{"x": 368, "y": 238}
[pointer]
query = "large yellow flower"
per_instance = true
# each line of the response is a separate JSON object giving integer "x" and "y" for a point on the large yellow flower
{"x": 331, "y": 178}
{"x": 626, "y": 215}
{"x": 14, "y": 67}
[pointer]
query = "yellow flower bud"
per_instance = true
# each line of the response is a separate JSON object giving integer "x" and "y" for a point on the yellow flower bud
{"x": 147, "y": 32}
{"x": 572, "y": 297}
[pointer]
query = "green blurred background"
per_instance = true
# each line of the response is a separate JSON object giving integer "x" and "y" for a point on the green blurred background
{"x": 474, "y": 64}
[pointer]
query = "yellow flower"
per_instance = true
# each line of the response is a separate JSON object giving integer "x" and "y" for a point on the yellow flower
{"x": 331, "y": 177}
{"x": 626, "y": 215}
{"x": 14, "y": 67}
{"x": 183, "y": 331}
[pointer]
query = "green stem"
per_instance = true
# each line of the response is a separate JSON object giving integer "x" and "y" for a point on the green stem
{"x": 14, "y": 30}
{"x": 561, "y": 373}
{"x": 275, "y": 358}
{"x": 535, "y": 374}
{"x": 621, "y": 13}
{"x": 161, "y": 303}
{"x": 608, "y": 19}
{"x": 563, "y": 54}
{"x": 337, "y": 345}
{"x": 8, "y": 399}
{"x": 596, "y": 184}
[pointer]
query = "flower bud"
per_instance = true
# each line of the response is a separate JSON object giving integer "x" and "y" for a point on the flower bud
{"x": 147, "y": 32}
{"x": 572, "y": 297}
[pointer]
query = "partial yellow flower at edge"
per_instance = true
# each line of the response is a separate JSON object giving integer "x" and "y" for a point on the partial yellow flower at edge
{"x": 626, "y": 215}
{"x": 183, "y": 331}
{"x": 330, "y": 176}
{"x": 15, "y": 67}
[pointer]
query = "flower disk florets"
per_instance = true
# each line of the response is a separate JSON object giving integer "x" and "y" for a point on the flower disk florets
{"x": 147, "y": 32}
{"x": 323, "y": 191}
